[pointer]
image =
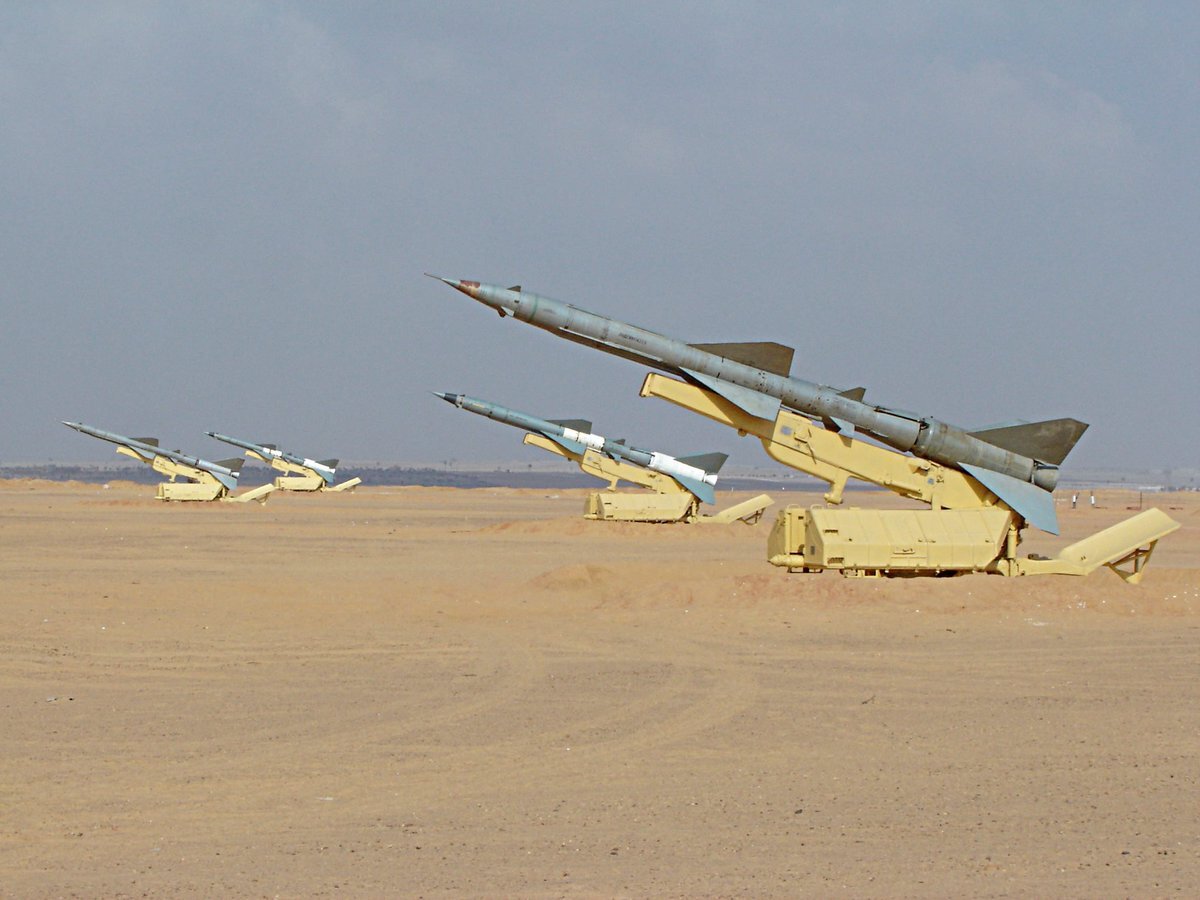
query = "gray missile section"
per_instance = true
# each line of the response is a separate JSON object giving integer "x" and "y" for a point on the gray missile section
{"x": 1019, "y": 465}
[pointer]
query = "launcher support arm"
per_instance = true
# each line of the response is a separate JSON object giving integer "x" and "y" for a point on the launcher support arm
{"x": 611, "y": 470}
{"x": 798, "y": 443}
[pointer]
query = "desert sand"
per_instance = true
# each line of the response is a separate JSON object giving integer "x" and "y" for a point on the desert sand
{"x": 438, "y": 692}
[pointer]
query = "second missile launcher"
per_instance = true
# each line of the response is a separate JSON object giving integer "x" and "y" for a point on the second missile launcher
{"x": 305, "y": 474}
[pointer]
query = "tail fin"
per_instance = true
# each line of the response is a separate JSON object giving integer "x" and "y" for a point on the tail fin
{"x": 581, "y": 425}
{"x": 234, "y": 465}
{"x": 702, "y": 490}
{"x": 1047, "y": 442}
{"x": 709, "y": 462}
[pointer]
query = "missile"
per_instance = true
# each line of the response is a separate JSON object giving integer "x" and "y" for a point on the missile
{"x": 326, "y": 468}
{"x": 146, "y": 449}
{"x": 1016, "y": 462}
{"x": 697, "y": 474}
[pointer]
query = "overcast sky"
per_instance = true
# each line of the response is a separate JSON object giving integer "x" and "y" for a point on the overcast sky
{"x": 215, "y": 216}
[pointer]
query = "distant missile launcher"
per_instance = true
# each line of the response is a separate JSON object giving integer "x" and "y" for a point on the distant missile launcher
{"x": 203, "y": 480}
{"x": 300, "y": 473}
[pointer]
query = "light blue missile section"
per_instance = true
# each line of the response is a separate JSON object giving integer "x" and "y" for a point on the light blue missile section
{"x": 759, "y": 405}
{"x": 704, "y": 492}
{"x": 570, "y": 446}
{"x": 1026, "y": 500}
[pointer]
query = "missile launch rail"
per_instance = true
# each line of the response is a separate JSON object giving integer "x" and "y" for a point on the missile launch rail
{"x": 966, "y": 529}
{"x": 298, "y": 477}
{"x": 664, "y": 499}
{"x": 200, "y": 485}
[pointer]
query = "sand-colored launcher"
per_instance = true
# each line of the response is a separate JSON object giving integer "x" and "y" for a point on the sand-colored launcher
{"x": 299, "y": 472}
{"x": 674, "y": 487}
{"x": 982, "y": 487}
{"x": 966, "y": 528}
{"x": 202, "y": 480}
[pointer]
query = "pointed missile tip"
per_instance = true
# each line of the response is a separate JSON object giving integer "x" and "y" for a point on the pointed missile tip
{"x": 455, "y": 283}
{"x": 447, "y": 396}
{"x": 470, "y": 288}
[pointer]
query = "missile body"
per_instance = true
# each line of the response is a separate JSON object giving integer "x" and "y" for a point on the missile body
{"x": 326, "y": 468}
{"x": 574, "y": 435}
{"x": 761, "y": 389}
{"x": 225, "y": 471}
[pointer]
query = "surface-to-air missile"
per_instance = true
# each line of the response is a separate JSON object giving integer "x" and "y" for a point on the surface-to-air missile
{"x": 326, "y": 468}
{"x": 225, "y": 471}
{"x": 1018, "y": 463}
{"x": 299, "y": 472}
{"x": 202, "y": 480}
{"x": 696, "y": 474}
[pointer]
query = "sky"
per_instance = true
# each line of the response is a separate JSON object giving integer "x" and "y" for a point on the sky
{"x": 216, "y": 216}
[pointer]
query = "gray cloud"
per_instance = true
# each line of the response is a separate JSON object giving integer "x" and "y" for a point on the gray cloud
{"x": 216, "y": 216}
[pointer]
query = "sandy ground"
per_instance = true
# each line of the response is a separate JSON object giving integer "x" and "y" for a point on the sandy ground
{"x": 424, "y": 692}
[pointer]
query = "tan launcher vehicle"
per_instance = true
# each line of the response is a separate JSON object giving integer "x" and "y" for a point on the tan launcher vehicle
{"x": 966, "y": 528}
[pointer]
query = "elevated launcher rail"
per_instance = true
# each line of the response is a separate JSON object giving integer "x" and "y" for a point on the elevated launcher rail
{"x": 298, "y": 477}
{"x": 664, "y": 499}
{"x": 967, "y": 528}
{"x": 199, "y": 484}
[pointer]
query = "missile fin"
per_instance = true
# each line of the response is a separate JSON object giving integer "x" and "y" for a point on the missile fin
{"x": 766, "y": 355}
{"x": 516, "y": 287}
{"x": 1027, "y": 500}
{"x": 329, "y": 463}
{"x": 709, "y": 462}
{"x": 841, "y": 426}
{"x": 153, "y": 442}
{"x": 703, "y": 490}
{"x": 234, "y": 464}
{"x": 756, "y": 403}
{"x": 268, "y": 446}
{"x": 856, "y": 393}
{"x": 1048, "y": 441}
{"x": 229, "y": 481}
{"x": 573, "y": 447}
{"x": 574, "y": 424}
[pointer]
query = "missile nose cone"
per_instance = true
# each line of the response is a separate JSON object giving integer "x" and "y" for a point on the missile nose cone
{"x": 470, "y": 288}
{"x": 448, "y": 397}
